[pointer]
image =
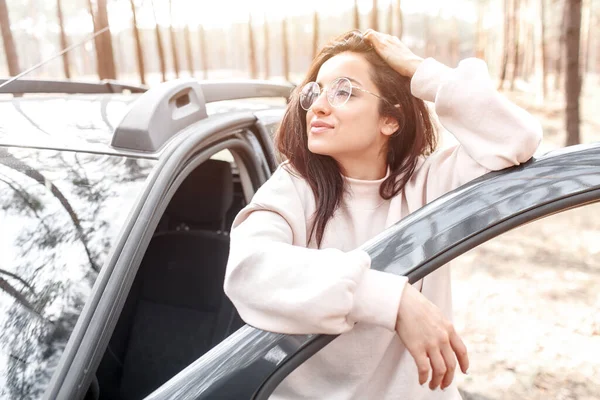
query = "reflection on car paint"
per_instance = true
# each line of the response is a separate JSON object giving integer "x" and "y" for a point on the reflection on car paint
{"x": 246, "y": 348}
{"x": 60, "y": 213}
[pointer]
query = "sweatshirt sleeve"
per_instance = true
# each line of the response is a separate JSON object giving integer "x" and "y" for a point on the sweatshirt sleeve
{"x": 279, "y": 285}
{"x": 493, "y": 133}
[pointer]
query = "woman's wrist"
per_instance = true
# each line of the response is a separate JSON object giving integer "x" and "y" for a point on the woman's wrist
{"x": 411, "y": 66}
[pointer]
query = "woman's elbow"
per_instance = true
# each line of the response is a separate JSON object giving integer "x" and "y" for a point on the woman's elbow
{"x": 530, "y": 141}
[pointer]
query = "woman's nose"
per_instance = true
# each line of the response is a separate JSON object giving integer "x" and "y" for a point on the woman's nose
{"x": 321, "y": 104}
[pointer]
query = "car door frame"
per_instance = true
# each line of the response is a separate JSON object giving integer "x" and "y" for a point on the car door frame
{"x": 181, "y": 155}
{"x": 464, "y": 218}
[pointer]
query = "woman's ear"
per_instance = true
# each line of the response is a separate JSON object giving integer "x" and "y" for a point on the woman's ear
{"x": 389, "y": 125}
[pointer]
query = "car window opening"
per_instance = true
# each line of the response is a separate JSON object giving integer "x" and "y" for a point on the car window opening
{"x": 176, "y": 309}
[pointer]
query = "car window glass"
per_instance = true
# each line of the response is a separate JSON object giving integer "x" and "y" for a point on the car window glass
{"x": 526, "y": 304}
{"x": 60, "y": 213}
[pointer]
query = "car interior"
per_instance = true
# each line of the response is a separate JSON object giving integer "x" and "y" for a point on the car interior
{"x": 176, "y": 309}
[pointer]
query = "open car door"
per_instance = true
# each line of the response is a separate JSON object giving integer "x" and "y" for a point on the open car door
{"x": 251, "y": 363}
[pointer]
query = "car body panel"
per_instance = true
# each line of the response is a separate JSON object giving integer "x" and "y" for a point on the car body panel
{"x": 84, "y": 123}
{"x": 414, "y": 246}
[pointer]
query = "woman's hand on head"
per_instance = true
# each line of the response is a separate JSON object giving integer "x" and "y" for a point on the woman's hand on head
{"x": 394, "y": 52}
{"x": 430, "y": 338}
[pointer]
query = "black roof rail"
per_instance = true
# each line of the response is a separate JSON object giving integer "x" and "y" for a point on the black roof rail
{"x": 29, "y": 86}
{"x": 166, "y": 109}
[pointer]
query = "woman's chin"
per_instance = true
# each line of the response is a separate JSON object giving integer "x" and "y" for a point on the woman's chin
{"x": 320, "y": 147}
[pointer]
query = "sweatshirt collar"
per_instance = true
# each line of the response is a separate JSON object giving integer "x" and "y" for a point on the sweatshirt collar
{"x": 363, "y": 194}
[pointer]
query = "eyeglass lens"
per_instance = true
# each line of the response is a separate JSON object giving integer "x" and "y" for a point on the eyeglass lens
{"x": 337, "y": 94}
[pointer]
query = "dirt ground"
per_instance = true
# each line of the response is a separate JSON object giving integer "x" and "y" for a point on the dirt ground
{"x": 527, "y": 303}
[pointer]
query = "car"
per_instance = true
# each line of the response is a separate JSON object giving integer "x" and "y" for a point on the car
{"x": 116, "y": 210}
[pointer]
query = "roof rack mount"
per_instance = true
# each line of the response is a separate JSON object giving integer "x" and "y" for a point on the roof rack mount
{"x": 166, "y": 109}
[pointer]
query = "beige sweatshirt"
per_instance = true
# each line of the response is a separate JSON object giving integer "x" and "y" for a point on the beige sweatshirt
{"x": 280, "y": 282}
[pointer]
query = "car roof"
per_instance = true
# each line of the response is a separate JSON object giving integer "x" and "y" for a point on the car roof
{"x": 90, "y": 122}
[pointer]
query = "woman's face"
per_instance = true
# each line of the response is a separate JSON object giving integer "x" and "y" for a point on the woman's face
{"x": 356, "y": 130}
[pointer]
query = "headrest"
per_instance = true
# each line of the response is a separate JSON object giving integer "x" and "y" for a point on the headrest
{"x": 205, "y": 195}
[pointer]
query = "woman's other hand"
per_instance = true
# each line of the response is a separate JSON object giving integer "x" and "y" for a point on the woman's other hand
{"x": 394, "y": 52}
{"x": 430, "y": 338}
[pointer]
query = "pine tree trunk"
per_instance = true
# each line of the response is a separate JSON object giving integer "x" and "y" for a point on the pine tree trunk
{"x": 159, "y": 46}
{"x": 138, "y": 45}
{"x": 267, "y": 58}
{"x": 516, "y": 22}
{"x": 560, "y": 58}
{"x": 189, "y": 55}
{"x": 543, "y": 49}
{"x": 356, "y": 15}
{"x": 374, "y": 16}
{"x": 572, "y": 78}
{"x": 286, "y": 56}
{"x": 589, "y": 36}
{"x": 97, "y": 41}
{"x": 105, "y": 59}
{"x": 252, "y": 50}
{"x": 455, "y": 42}
{"x": 108, "y": 59}
{"x": 12, "y": 59}
{"x": 506, "y": 43}
{"x": 390, "y": 18}
{"x": 400, "y": 19}
{"x": 479, "y": 46}
{"x": 526, "y": 50}
{"x": 315, "y": 43}
{"x": 586, "y": 16}
{"x": 173, "y": 41}
{"x": 63, "y": 39}
{"x": 203, "y": 51}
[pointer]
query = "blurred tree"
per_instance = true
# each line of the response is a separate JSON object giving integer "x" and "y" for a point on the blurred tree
{"x": 506, "y": 42}
{"x": 586, "y": 28}
{"x": 12, "y": 58}
{"x": 173, "y": 41}
{"x": 400, "y": 19}
{"x": 374, "y": 16}
{"x": 252, "y": 49}
{"x": 541, "y": 51}
{"x": 560, "y": 56}
{"x": 203, "y": 51}
{"x": 267, "y": 59}
{"x": 159, "y": 45}
{"x": 515, "y": 24}
{"x": 356, "y": 15}
{"x": 480, "y": 40}
{"x": 105, "y": 61}
{"x": 18, "y": 295}
{"x": 138, "y": 44}
{"x": 188, "y": 49}
{"x": 286, "y": 55}
{"x": 315, "y": 42}
{"x": 572, "y": 77}
{"x": 63, "y": 39}
{"x": 454, "y": 42}
{"x": 390, "y": 17}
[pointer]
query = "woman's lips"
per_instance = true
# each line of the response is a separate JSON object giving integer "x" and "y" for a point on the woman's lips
{"x": 319, "y": 127}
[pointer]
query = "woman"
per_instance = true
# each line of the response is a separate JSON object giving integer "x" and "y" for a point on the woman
{"x": 359, "y": 156}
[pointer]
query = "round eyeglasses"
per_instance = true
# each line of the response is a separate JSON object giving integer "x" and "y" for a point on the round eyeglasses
{"x": 338, "y": 93}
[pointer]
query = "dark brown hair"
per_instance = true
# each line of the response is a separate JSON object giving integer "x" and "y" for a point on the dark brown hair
{"x": 415, "y": 136}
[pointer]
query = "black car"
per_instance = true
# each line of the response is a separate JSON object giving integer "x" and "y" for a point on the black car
{"x": 115, "y": 213}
